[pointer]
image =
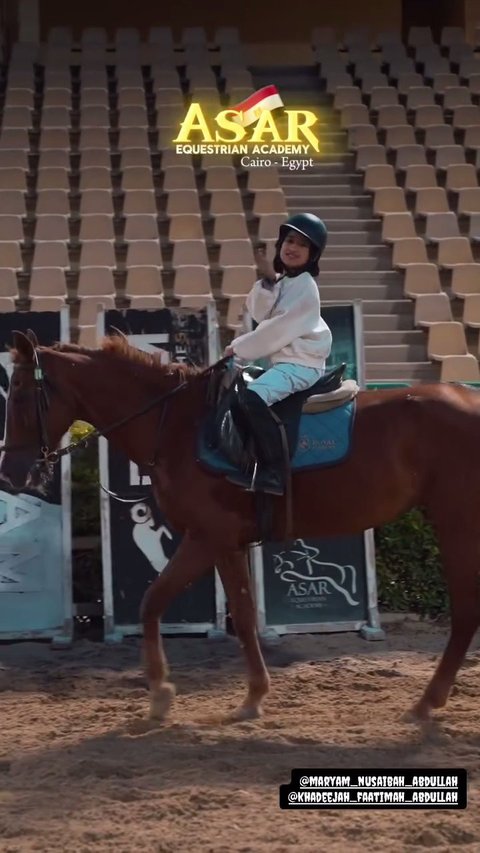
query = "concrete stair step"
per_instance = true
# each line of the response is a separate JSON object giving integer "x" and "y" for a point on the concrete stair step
{"x": 333, "y": 154}
{"x": 338, "y": 193}
{"x": 355, "y": 264}
{"x": 396, "y": 308}
{"x": 328, "y": 212}
{"x": 329, "y": 147}
{"x": 387, "y": 323}
{"x": 421, "y": 371}
{"x": 353, "y": 239}
{"x": 295, "y": 83}
{"x": 298, "y": 87}
{"x": 372, "y": 250}
{"x": 395, "y": 337}
{"x": 359, "y": 277}
{"x": 394, "y": 353}
{"x": 309, "y": 178}
{"x": 309, "y": 71}
{"x": 325, "y": 166}
{"x": 334, "y": 185}
{"x": 328, "y": 159}
{"x": 342, "y": 154}
{"x": 349, "y": 293}
{"x": 358, "y": 225}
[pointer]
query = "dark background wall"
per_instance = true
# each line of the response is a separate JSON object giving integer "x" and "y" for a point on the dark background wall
{"x": 274, "y": 21}
{"x": 432, "y": 13}
{"x": 269, "y": 21}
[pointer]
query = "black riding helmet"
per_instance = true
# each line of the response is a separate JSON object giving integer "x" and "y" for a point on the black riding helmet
{"x": 311, "y": 227}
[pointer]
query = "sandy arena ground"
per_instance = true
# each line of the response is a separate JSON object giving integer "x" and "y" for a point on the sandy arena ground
{"x": 81, "y": 771}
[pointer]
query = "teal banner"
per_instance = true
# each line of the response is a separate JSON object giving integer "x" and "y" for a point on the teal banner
{"x": 35, "y": 546}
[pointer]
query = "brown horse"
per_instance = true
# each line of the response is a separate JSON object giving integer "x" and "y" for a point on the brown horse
{"x": 410, "y": 447}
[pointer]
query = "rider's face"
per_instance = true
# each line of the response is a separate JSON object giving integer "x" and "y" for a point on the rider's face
{"x": 295, "y": 250}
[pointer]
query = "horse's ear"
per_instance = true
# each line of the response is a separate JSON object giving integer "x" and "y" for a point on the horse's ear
{"x": 32, "y": 337}
{"x": 23, "y": 346}
{"x": 118, "y": 333}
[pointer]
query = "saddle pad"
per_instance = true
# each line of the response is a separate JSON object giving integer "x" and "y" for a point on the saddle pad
{"x": 324, "y": 439}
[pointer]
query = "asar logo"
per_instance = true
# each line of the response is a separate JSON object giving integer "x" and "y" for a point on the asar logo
{"x": 304, "y": 572}
{"x": 251, "y": 121}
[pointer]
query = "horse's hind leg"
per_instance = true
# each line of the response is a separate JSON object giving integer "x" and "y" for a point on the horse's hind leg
{"x": 461, "y": 559}
{"x": 191, "y": 561}
{"x": 233, "y": 570}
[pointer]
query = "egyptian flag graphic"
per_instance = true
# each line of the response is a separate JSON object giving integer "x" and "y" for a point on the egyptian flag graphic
{"x": 251, "y": 108}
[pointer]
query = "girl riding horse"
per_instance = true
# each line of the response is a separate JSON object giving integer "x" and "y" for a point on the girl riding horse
{"x": 291, "y": 333}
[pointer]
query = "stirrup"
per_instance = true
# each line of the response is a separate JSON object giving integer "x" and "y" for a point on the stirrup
{"x": 271, "y": 490}
{"x": 279, "y": 490}
{"x": 242, "y": 480}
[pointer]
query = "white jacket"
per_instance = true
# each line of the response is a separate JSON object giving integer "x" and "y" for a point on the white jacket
{"x": 295, "y": 332}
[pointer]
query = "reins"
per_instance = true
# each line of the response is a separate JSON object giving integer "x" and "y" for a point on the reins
{"x": 51, "y": 457}
{"x": 55, "y": 455}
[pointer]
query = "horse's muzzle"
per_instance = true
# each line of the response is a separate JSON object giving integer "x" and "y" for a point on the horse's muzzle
{"x": 16, "y": 469}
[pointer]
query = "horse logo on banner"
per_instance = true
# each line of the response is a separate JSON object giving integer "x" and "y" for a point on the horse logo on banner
{"x": 304, "y": 567}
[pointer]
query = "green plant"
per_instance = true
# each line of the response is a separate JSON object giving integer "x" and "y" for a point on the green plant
{"x": 409, "y": 571}
{"x": 85, "y": 480}
{"x": 79, "y": 430}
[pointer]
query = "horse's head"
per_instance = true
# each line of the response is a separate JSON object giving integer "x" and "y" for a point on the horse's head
{"x": 37, "y": 416}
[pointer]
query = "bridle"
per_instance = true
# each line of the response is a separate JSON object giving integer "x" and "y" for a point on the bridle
{"x": 49, "y": 457}
{"x": 42, "y": 403}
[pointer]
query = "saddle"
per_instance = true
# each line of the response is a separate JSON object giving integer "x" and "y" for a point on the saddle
{"x": 329, "y": 392}
{"x": 224, "y": 434}
{"x": 224, "y": 444}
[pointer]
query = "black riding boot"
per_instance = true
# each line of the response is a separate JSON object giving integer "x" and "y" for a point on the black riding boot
{"x": 269, "y": 474}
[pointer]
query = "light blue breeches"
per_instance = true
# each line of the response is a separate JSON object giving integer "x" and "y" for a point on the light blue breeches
{"x": 284, "y": 379}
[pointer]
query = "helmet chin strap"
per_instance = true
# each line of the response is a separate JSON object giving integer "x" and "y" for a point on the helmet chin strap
{"x": 291, "y": 272}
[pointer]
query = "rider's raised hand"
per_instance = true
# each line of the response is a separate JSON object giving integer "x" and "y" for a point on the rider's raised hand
{"x": 265, "y": 267}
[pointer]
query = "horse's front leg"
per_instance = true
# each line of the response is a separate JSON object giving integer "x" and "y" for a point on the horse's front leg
{"x": 233, "y": 570}
{"x": 191, "y": 561}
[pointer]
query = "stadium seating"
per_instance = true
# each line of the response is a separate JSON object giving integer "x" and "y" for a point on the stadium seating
{"x": 95, "y": 204}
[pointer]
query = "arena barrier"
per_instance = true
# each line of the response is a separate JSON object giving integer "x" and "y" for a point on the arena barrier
{"x": 311, "y": 586}
{"x": 35, "y": 532}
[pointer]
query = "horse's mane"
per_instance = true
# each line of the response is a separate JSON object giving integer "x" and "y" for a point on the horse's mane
{"x": 118, "y": 346}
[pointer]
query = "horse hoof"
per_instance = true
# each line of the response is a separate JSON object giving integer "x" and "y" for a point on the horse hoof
{"x": 245, "y": 712}
{"x": 419, "y": 713}
{"x": 161, "y": 700}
